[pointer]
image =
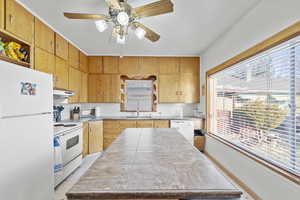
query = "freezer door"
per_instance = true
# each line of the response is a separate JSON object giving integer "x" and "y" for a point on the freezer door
{"x": 27, "y": 158}
{"x": 24, "y": 91}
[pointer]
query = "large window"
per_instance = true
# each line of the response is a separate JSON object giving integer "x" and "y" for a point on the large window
{"x": 255, "y": 105}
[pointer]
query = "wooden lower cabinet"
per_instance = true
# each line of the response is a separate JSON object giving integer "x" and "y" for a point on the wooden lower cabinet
{"x": 85, "y": 139}
{"x": 161, "y": 124}
{"x": 144, "y": 124}
{"x": 95, "y": 136}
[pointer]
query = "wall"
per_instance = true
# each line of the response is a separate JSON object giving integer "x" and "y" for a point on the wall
{"x": 266, "y": 19}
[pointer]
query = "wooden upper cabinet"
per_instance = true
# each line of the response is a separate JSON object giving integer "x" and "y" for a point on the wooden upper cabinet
{"x": 149, "y": 65}
{"x": 83, "y": 62}
{"x": 189, "y": 88}
{"x": 129, "y": 65}
{"x": 168, "y": 65}
{"x": 61, "y": 73}
{"x": 94, "y": 88}
{"x": 169, "y": 88}
{"x": 95, "y": 137}
{"x": 115, "y": 88}
{"x": 44, "y": 61}
{"x": 61, "y": 47}
{"x": 190, "y": 65}
{"x": 73, "y": 56}
{"x": 110, "y": 64}
{"x": 74, "y": 84}
{"x": 19, "y": 21}
{"x": 44, "y": 36}
{"x": 2, "y": 14}
{"x": 95, "y": 64}
{"x": 84, "y": 88}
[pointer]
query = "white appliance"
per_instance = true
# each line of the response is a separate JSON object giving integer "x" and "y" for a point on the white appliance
{"x": 70, "y": 139}
{"x": 26, "y": 139}
{"x": 185, "y": 127}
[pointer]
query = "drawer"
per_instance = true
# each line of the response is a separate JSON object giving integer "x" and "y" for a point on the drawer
{"x": 127, "y": 124}
{"x": 161, "y": 124}
{"x": 144, "y": 124}
{"x": 109, "y": 124}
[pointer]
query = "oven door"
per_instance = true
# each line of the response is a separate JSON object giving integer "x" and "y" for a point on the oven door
{"x": 71, "y": 145}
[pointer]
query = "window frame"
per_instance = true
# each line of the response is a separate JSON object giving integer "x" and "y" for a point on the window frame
{"x": 273, "y": 41}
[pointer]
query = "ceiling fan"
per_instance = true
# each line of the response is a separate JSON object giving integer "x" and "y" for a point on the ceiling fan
{"x": 122, "y": 16}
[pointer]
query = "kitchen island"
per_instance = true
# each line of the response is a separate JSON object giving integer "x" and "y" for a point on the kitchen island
{"x": 152, "y": 164}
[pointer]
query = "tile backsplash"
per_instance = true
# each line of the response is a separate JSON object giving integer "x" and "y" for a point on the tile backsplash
{"x": 113, "y": 109}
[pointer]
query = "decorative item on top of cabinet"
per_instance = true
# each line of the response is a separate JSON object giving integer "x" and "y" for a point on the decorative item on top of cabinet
{"x": 110, "y": 64}
{"x": 73, "y": 56}
{"x": 19, "y": 21}
{"x": 44, "y": 36}
{"x": 168, "y": 65}
{"x": 14, "y": 51}
{"x": 2, "y": 14}
{"x": 95, "y": 64}
{"x": 169, "y": 88}
{"x": 61, "y": 73}
{"x": 44, "y": 61}
{"x": 83, "y": 62}
{"x": 161, "y": 124}
{"x": 124, "y": 94}
{"x": 129, "y": 65}
{"x": 84, "y": 88}
{"x": 61, "y": 47}
{"x": 149, "y": 65}
{"x": 74, "y": 84}
{"x": 95, "y": 137}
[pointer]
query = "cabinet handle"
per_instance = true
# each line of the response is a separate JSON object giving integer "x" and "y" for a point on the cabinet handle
{"x": 11, "y": 18}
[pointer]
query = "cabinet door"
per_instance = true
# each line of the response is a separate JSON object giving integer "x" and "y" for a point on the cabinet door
{"x": 73, "y": 56}
{"x": 95, "y": 137}
{"x": 19, "y": 21}
{"x": 129, "y": 65}
{"x": 44, "y": 36}
{"x": 85, "y": 139}
{"x": 74, "y": 84}
{"x": 110, "y": 64}
{"x": 168, "y": 65}
{"x": 84, "y": 88}
{"x": 83, "y": 62}
{"x": 105, "y": 88}
{"x": 169, "y": 91}
{"x": 44, "y": 61}
{"x": 127, "y": 124}
{"x": 161, "y": 124}
{"x": 1, "y": 14}
{"x": 190, "y": 88}
{"x": 94, "y": 88}
{"x": 95, "y": 64}
{"x": 61, "y": 73}
{"x": 144, "y": 123}
{"x": 149, "y": 65}
{"x": 61, "y": 47}
{"x": 115, "y": 87}
{"x": 190, "y": 65}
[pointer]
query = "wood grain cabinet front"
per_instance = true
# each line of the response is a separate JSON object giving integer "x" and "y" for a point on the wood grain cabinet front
{"x": 161, "y": 124}
{"x": 168, "y": 65}
{"x": 83, "y": 62}
{"x": 95, "y": 64}
{"x": 84, "y": 88}
{"x": 95, "y": 137}
{"x": 110, "y": 64}
{"x": 73, "y": 56}
{"x": 149, "y": 65}
{"x": 74, "y": 84}
{"x": 144, "y": 123}
{"x": 61, "y": 47}
{"x": 19, "y": 21}
{"x": 169, "y": 88}
{"x": 44, "y": 37}
{"x": 44, "y": 61}
{"x": 85, "y": 139}
{"x": 2, "y": 14}
{"x": 61, "y": 73}
{"x": 129, "y": 65}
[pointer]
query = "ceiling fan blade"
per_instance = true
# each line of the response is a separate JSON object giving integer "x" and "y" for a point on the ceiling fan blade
{"x": 84, "y": 16}
{"x": 154, "y": 9}
{"x": 113, "y": 3}
{"x": 151, "y": 35}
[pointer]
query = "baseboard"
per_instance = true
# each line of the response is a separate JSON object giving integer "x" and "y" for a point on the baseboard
{"x": 234, "y": 178}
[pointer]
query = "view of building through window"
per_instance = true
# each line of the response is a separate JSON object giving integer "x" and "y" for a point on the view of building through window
{"x": 256, "y": 105}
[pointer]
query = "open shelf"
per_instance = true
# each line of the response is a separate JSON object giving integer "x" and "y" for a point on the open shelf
{"x": 8, "y": 38}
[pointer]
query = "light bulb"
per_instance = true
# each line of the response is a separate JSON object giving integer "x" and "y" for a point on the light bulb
{"x": 123, "y": 18}
{"x": 101, "y": 25}
{"x": 121, "y": 39}
{"x": 140, "y": 33}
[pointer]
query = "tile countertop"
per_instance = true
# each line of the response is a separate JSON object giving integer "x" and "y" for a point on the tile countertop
{"x": 152, "y": 164}
{"x": 84, "y": 119}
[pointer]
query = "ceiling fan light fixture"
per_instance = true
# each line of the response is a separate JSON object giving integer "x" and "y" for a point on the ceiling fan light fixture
{"x": 140, "y": 33}
{"x": 101, "y": 25}
{"x": 123, "y": 18}
{"x": 121, "y": 39}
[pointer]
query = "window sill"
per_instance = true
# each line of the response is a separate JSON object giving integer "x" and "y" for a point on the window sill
{"x": 292, "y": 177}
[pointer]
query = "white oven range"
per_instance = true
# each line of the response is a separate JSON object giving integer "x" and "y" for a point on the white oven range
{"x": 69, "y": 137}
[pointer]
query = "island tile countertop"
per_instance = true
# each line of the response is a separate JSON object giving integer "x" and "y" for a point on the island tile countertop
{"x": 152, "y": 164}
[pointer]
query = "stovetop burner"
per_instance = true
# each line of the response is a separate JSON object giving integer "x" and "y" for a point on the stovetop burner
{"x": 69, "y": 125}
{"x": 56, "y": 125}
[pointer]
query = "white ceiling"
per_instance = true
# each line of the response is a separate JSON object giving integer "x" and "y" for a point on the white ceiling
{"x": 193, "y": 26}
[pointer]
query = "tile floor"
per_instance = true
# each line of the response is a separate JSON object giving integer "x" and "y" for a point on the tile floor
{"x": 87, "y": 162}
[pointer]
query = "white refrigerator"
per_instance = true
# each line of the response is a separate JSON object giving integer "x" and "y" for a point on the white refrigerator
{"x": 26, "y": 134}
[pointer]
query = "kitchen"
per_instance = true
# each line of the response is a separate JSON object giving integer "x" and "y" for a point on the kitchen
{"x": 98, "y": 100}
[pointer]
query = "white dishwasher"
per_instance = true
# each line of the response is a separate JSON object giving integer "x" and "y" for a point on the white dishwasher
{"x": 185, "y": 127}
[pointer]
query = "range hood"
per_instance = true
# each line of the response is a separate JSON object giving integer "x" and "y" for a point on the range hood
{"x": 62, "y": 94}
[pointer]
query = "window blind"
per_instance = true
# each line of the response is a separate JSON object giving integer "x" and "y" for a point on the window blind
{"x": 255, "y": 105}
